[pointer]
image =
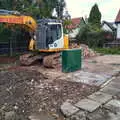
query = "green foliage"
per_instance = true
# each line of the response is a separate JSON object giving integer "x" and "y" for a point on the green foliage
{"x": 66, "y": 22}
{"x": 95, "y": 16}
{"x": 92, "y": 36}
{"x": 91, "y": 33}
{"x": 14, "y": 4}
{"x": 46, "y": 7}
{"x": 37, "y": 9}
{"x": 1, "y": 28}
{"x": 108, "y": 50}
{"x": 4, "y": 35}
{"x": 82, "y": 35}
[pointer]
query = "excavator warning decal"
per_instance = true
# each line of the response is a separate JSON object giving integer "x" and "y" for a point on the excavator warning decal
{"x": 11, "y": 20}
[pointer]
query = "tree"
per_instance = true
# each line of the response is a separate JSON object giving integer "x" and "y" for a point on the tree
{"x": 60, "y": 8}
{"x": 91, "y": 37}
{"x": 66, "y": 21}
{"x": 91, "y": 33}
{"x": 36, "y": 8}
{"x": 95, "y": 16}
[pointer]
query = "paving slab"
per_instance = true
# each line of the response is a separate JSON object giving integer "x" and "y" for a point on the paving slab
{"x": 118, "y": 96}
{"x": 114, "y": 85}
{"x": 110, "y": 90}
{"x": 100, "y": 97}
{"x": 89, "y": 78}
{"x": 95, "y": 73}
{"x": 88, "y": 105}
{"x": 113, "y": 106}
{"x": 102, "y": 114}
{"x": 68, "y": 109}
{"x": 81, "y": 115}
{"x": 117, "y": 79}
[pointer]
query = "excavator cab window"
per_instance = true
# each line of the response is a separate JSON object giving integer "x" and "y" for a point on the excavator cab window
{"x": 48, "y": 31}
{"x": 54, "y": 32}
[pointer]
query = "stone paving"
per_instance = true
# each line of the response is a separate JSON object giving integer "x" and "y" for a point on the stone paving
{"x": 68, "y": 109}
{"x": 102, "y": 105}
{"x": 88, "y": 105}
{"x": 100, "y": 97}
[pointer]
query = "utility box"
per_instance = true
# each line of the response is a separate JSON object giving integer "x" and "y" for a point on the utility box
{"x": 71, "y": 60}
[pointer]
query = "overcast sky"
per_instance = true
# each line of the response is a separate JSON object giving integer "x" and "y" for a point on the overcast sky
{"x": 108, "y": 8}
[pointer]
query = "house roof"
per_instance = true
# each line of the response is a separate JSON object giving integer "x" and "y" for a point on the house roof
{"x": 75, "y": 23}
{"x": 118, "y": 17}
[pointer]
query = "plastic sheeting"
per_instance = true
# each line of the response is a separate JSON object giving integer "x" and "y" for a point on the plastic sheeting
{"x": 71, "y": 60}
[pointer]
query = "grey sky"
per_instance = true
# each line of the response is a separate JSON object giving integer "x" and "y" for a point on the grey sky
{"x": 108, "y": 8}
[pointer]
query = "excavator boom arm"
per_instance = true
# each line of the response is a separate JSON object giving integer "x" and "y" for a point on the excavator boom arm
{"x": 22, "y": 20}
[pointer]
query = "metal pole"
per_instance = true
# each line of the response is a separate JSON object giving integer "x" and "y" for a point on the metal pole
{"x": 11, "y": 51}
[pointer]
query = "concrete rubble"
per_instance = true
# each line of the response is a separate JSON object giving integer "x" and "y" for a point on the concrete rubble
{"x": 68, "y": 109}
{"x": 86, "y": 51}
{"x": 88, "y": 105}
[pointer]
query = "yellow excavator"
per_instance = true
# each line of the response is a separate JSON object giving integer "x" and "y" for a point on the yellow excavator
{"x": 46, "y": 37}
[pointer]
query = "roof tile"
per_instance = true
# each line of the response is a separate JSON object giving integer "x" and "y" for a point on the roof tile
{"x": 118, "y": 17}
{"x": 75, "y": 23}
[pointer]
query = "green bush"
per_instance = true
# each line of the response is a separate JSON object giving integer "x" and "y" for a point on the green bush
{"x": 5, "y": 35}
{"x": 93, "y": 36}
{"x": 108, "y": 50}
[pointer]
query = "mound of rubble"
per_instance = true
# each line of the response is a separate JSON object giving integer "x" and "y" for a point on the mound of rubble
{"x": 86, "y": 51}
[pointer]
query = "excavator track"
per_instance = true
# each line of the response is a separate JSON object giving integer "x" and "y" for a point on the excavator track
{"x": 29, "y": 59}
{"x": 49, "y": 61}
{"x": 52, "y": 61}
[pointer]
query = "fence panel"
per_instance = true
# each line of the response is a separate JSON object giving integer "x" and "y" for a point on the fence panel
{"x": 12, "y": 48}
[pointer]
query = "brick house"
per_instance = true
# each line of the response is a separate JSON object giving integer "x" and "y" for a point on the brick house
{"x": 74, "y": 27}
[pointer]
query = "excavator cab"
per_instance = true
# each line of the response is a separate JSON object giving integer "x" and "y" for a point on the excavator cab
{"x": 49, "y": 35}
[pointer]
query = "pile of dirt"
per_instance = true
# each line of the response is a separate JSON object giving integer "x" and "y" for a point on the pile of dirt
{"x": 25, "y": 92}
{"x": 16, "y": 91}
{"x": 86, "y": 51}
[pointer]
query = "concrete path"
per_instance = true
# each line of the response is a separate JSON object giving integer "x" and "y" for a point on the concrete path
{"x": 102, "y": 105}
{"x": 95, "y": 71}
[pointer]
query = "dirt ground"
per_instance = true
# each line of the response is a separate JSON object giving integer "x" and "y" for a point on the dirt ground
{"x": 35, "y": 89}
{"x": 26, "y": 91}
{"x": 5, "y": 59}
